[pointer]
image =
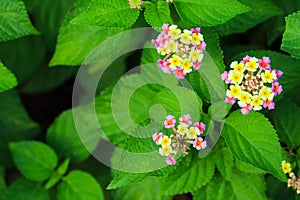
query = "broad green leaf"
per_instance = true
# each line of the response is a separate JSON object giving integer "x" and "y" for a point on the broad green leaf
{"x": 75, "y": 42}
{"x": 289, "y": 66}
{"x": 286, "y": 115}
{"x": 224, "y": 162}
{"x": 79, "y": 185}
{"x": 149, "y": 54}
{"x": 241, "y": 187}
{"x": 291, "y": 35}
{"x": 63, "y": 136}
{"x": 56, "y": 176}
{"x": 15, "y": 124}
{"x": 252, "y": 139}
{"x": 35, "y": 160}
{"x": 157, "y": 14}
{"x": 248, "y": 168}
{"x": 7, "y": 78}
{"x": 23, "y": 49}
{"x": 188, "y": 178}
{"x": 207, "y": 12}
{"x": 23, "y": 189}
{"x": 261, "y": 10}
{"x": 2, "y": 187}
{"x": 48, "y": 16}
{"x": 148, "y": 189}
{"x": 108, "y": 13}
{"x": 14, "y": 20}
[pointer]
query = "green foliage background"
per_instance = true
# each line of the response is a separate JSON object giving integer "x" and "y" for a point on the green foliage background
{"x": 42, "y": 45}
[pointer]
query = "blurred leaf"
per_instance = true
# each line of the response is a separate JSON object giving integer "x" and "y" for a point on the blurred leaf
{"x": 23, "y": 189}
{"x": 75, "y": 42}
{"x": 16, "y": 55}
{"x": 148, "y": 189}
{"x": 157, "y": 13}
{"x": 291, "y": 35}
{"x": 7, "y": 79}
{"x": 261, "y": 10}
{"x": 242, "y": 187}
{"x": 252, "y": 139}
{"x": 14, "y": 20}
{"x": 56, "y": 176}
{"x": 79, "y": 185}
{"x": 48, "y": 15}
{"x": 277, "y": 190}
{"x": 63, "y": 136}
{"x": 188, "y": 178}
{"x": 15, "y": 124}
{"x": 35, "y": 160}
{"x": 2, "y": 187}
{"x": 286, "y": 117}
{"x": 209, "y": 13}
{"x": 289, "y": 66}
{"x": 108, "y": 13}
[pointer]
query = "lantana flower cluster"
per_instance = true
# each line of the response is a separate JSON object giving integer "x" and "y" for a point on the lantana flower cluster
{"x": 252, "y": 83}
{"x": 182, "y": 51}
{"x": 183, "y": 134}
{"x": 293, "y": 181}
{"x": 135, "y": 4}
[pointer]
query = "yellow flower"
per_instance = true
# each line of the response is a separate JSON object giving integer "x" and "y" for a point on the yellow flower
{"x": 186, "y": 66}
{"x": 252, "y": 65}
{"x": 195, "y": 55}
{"x": 286, "y": 167}
{"x": 245, "y": 98}
{"x": 236, "y": 77}
{"x": 162, "y": 51}
{"x": 193, "y": 132}
{"x": 266, "y": 93}
{"x": 197, "y": 38}
{"x": 172, "y": 46}
{"x": 166, "y": 141}
{"x": 268, "y": 76}
{"x": 165, "y": 150}
{"x": 182, "y": 129}
{"x": 186, "y": 37}
{"x": 256, "y": 102}
{"x": 235, "y": 91}
{"x": 175, "y": 61}
{"x": 174, "y": 32}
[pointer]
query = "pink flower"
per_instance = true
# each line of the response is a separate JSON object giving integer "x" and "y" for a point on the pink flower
{"x": 196, "y": 65}
{"x": 246, "y": 59}
{"x": 269, "y": 104}
{"x": 278, "y": 73}
{"x": 276, "y": 88}
{"x": 170, "y": 121}
{"x": 225, "y": 77}
{"x": 199, "y": 143}
{"x": 170, "y": 160}
{"x": 245, "y": 110}
{"x": 179, "y": 73}
{"x": 157, "y": 137}
{"x": 165, "y": 28}
{"x": 264, "y": 63}
{"x": 201, "y": 127}
{"x": 230, "y": 100}
{"x": 186, "y": 120}
{"x": 196, "y": 30}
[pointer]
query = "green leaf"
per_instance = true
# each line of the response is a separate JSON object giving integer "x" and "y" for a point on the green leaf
{"x": 277, "y": 190}
{"x": 149, "y": 54}
{"x": 261, "y": 10}
{"x": 75, "y": 42}
{"x": 286, "y": 114}
{"x": 15, "y": 124}
{"x": 56, "y": 176}
{"x": 224, "y": 161}
{"x": 108, "y": 13}
{"x": 248, "y": 168}
{"x": 14, "y": 20}
{"x": 23, "y": 49}
{"x": 207, "y": 12}
{"x": 63, "y": 136}
{"x": 23, "y": 189}
{"x": 242, "y": 187}
{"x": 35, "y": 160}
{"x": 289, "y": 66}
{"x": 252, "y": 139}
{"x": 2, "y": 187}
{"x": 291, "y": 35}
{"x": 7, "y": 79}
{"x": 157, "y": 14}
{"x": 79, "y": 185}
{"x": 148, "y": 189}
{"x": 188, "y": 178}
